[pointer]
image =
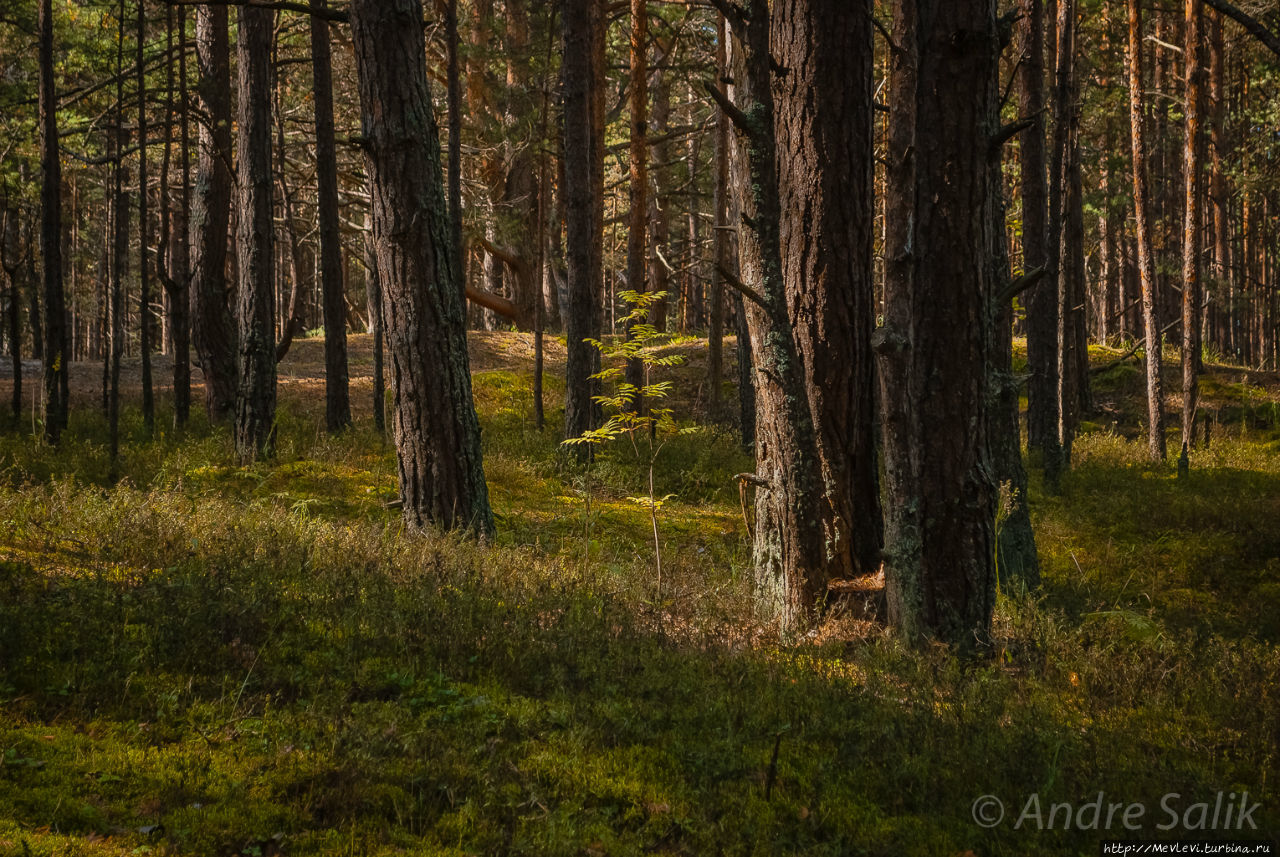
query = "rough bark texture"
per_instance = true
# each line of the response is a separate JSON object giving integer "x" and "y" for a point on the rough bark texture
{"x": 255, "y": 407}
{"x": 1142, "y": 218}
{"x": 825, "y": 161}
{"x": 1042, "y": 309}
{"x": 935, "y": 346}
{"x": 584, "y": 215}
{"x": 55, "y": 313}
{"x": 1192, "y": 240}
{"x": 212, "y": 328}
{"x": 337, "y": 389}
{"x": 789, "y": 555}
{"x": 436, "y": 430}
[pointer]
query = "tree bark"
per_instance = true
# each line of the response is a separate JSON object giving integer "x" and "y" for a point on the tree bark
{"x": 583, "y": 33}
{"x": 1042, "y": 309}
{"x": 255, "y": 306}
{"x": 1146, "y": 267}
{"x": 336, "y": 384}
{"x": 1191, "y": 234}
{"x": 720, "y": 226}
{"x": 935, "y": 346}
{"x": 55, "y": 313}
{"x": 788, "y": 553}
{"x": 825, "y": 158}
{"x": 212, "y": 329}
{"x": 144, "y": 230}
{"x": 436, "y": 430}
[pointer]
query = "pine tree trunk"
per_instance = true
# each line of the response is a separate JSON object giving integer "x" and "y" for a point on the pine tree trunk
{"x": 1146, "y": 266}
{"x": 1042, "y": 310}
{"x": 825, "y": 158}
{"x": 436, "y": 430}
{"x": 144, "y": 231}
{"x": 337, "y": 387}
{"x": 720, "y": 234}
{"x": 255, "y": 306}
{"x": 55, "y": 314}
{"x": 584, "y": 213}
{"x": 789, "y": 553}
{"x": 212, "y": 329}
{"x": 1191, "y": 234}
{"x": 935, "y": 346}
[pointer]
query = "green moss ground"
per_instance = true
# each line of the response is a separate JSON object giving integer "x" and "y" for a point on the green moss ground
{"x": 213, "y": 660}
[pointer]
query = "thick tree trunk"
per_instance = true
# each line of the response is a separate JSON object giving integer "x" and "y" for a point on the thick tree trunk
{"x": 1146, "y": 266}
{"x": 584, "y": 209}
{"x": 436, "y": 429}
{"x": 453, "y": 80}
{"x": 789, "y": 552}
{"x": 825, "y": 158}
{"x": 1191, "y": 234}
{"x": 373, "y": 294}
{"x": 337, "y": 388}
{"x": 55, "y": 314}
{"x": 255, "y": 307}
{"x": 212, "y": 329}
{"x": 935, "y": 346}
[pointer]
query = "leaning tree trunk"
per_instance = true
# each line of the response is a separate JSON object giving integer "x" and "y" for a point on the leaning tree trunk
{"x": 935, "y": 345}
{"x": 825, "y": 162}
{"x": 584, "y": 214}
{"x": 55, "y": 313}
{"x": 789, "y": 552}
{"x": 212, "y": 329}
{"x": 1192, "y": 238}
{"x": 436, "y": 429}
{"x": 1142, "y": 226}
{"x": 255, "y": 305}
{"x": 337, "y": 389}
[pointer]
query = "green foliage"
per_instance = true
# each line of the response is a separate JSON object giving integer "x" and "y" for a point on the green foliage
{"x": 266, "y": 664}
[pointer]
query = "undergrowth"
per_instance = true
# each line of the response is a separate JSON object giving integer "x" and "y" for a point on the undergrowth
{"x": 214, "y": 660}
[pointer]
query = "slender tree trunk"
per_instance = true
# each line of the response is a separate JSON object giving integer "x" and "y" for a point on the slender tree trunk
{"x": 212, "y": 330}
{"x": 337, "y": 387}
{"x": 1191, "y": 234}
{"x": 825, "y": 159}
{"x": 120, "y": 255}
{"x": 1042, "y": 310}
{"x": 177, "y": 278}
{"x": 55, "y": 314}
{"x": 637, "y": 230}
{"x": 935, "y": 346}
{"x": 255, "y": 307}
{"x": 1146, "y": 266}
{"x": 373, "y": 292}
{"x": 720, "y": 227}
{"x": 584, "y": 213}
{"x": 657, "y": 205}
{"x": 9, "y": 249}
{"x": 789, "y": 553}
{"x": 454, "y": 94}
{"x": 1221, "y": 285}
{"x": 436, "y": 429}
{"x": 144, "y": 230}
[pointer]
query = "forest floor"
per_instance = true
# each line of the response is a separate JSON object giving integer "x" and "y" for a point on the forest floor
{"x": 202, "y": 658}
